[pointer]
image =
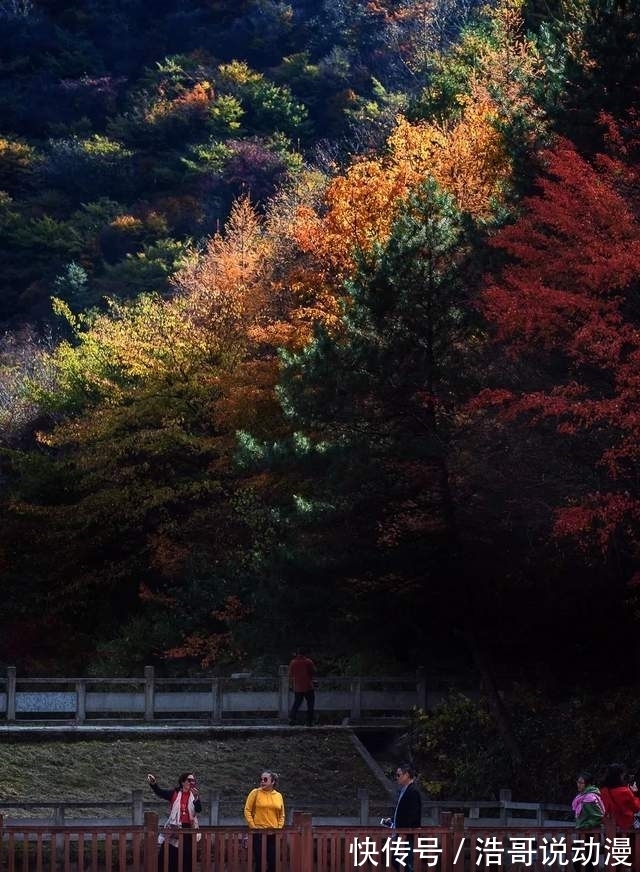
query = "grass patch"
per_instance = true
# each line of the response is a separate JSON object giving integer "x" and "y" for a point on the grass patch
{"x": 320, "y": 772}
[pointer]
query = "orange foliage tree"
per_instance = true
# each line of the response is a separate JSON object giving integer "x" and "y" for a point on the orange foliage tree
{"x": 466, "y": 157}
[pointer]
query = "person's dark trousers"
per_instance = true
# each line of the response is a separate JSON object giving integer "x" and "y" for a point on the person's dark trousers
{"x": 408, "y": 862}
{"x": 310, "y": 698}
{"x": 171, "y": 863}
{"x": 189, "y": 851}
{"x": 270, "y": 851}
{"x": 188, "y": 854}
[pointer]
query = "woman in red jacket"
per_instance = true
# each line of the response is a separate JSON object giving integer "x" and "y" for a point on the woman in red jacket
{"x": 620, "y": 799}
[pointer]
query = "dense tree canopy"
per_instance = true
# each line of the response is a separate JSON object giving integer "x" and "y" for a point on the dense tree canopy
{"x": 344, "y": 331}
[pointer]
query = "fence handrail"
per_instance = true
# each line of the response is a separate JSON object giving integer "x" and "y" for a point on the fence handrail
{"x": 150, "y": 698}
{"x": 139, "y": 802}
{"x": 186, "y": 680}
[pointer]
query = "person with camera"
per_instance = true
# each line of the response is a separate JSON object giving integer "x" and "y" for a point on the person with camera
{"x": 184, "y": 807}
{"x": 407, "y": 815}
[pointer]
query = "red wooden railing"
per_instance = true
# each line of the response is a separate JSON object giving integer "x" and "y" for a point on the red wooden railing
{"x": 301, "y": 847}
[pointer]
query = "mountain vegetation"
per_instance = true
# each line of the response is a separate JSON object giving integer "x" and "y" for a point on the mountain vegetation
{"x": 320, "y": 326}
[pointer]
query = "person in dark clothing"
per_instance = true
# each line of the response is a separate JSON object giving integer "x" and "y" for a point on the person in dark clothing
{"x": 407, "y": 815}
{"x": 184, "y": 807}
{"x": 301, "y": 673}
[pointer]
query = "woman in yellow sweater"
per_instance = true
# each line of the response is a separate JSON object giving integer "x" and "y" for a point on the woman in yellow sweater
{"x": 264, "y": 810}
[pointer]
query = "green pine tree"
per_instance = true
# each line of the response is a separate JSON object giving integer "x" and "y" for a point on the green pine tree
{"x": 372, "y": 408}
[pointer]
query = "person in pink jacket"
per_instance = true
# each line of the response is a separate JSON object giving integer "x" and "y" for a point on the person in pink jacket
{"x": 620, "y": 798}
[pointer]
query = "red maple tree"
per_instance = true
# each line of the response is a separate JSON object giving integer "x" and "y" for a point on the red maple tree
{"x": 568, "y": 298}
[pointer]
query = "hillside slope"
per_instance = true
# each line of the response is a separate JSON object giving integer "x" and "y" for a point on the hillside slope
{"x": 320, "y": 772}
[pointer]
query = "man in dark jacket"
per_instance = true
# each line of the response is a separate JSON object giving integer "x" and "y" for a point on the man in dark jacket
{"x": 407, "y": 814}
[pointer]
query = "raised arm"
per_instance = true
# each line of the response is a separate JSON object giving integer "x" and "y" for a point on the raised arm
{"x": 162, "y": 792}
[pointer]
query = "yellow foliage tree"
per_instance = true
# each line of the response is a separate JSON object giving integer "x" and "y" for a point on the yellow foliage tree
{"x": 224, "y": 291}
{"x": 467, "y": 158}
{"x": 211, "y": 337}
{"x": 302, "y": 283}
{"x": 148, "y": 399}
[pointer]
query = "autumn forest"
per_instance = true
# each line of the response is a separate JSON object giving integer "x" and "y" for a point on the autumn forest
{"x": 320, "y": 325}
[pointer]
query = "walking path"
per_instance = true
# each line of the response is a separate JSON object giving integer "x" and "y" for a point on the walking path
{"x": 174, "y": 728}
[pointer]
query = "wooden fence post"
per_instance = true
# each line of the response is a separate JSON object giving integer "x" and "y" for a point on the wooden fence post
{"x": 303, "y": 859}
{"x": 444, "y": 820}
{"x": 458, "y": 843}
{"x": 150, "y": 841}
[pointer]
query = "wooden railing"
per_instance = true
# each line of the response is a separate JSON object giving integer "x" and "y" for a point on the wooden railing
{"x": 364, "y": 811}
{"x": 233, "y": 699}
{"x": 301, "y": 847}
